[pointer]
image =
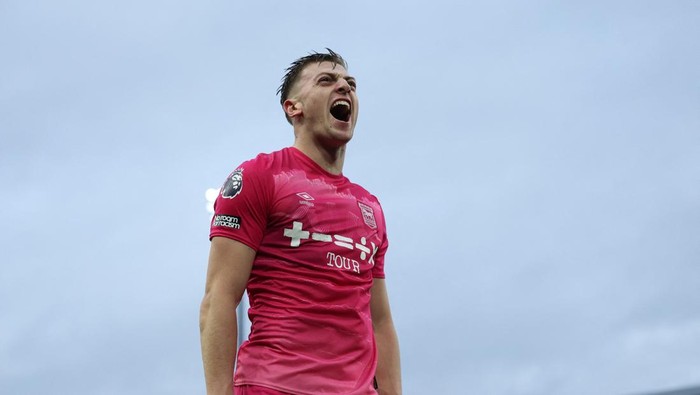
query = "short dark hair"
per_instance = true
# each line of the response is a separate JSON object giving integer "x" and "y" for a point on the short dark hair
{"x": 294, "y": 70}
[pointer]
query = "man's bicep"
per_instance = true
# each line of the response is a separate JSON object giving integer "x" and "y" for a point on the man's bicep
{"x": 230, "y": 263}
{"x": 379, "y": 302}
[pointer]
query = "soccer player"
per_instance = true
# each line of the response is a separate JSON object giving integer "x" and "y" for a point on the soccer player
{"x": 308, "y": 245}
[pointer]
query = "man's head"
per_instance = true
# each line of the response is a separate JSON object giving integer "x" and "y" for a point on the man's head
{"x": 294, "y": 71}
{"x": 319, "y": 99}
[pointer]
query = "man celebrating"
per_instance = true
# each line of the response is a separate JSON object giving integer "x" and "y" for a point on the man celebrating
{"x": 308, "y": 246}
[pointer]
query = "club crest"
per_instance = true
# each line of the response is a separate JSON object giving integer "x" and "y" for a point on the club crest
{"x": 368, "y": 215}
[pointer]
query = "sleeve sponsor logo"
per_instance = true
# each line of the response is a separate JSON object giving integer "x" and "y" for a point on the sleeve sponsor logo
{"x": 227, "y": 221}
{"x": 233, "y": 185}
{"x": 368, "y": 215}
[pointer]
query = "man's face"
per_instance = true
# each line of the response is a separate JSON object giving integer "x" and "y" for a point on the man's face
{"x": 326, "y": 95}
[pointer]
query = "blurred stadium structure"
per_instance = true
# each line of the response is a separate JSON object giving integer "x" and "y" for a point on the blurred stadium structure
{"x": 684, "y": 391}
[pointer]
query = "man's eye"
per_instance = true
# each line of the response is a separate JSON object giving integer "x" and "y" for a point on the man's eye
{"x": 352, "y": 84}
{"x": 324, "y": 79}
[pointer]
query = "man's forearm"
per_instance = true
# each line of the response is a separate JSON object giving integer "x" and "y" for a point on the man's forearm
{"x": 389, "y": 361}
{"x": 218, "y": 332}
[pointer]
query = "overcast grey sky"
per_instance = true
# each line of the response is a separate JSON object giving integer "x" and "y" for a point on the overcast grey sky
{"x": 539, "y": 165}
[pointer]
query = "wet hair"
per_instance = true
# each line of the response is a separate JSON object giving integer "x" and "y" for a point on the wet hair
{"x": 294, "y": 70}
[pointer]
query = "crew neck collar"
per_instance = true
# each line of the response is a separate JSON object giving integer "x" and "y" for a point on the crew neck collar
{"x": 311, "y": 163}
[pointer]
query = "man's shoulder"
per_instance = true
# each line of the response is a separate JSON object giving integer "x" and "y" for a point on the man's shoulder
{"x": 362, "y": 193}
{"x": 266, "y": 160}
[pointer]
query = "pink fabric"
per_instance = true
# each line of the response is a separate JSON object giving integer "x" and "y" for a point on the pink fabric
{"x": 256, "y": 390}
{"x": 320, "y": 241}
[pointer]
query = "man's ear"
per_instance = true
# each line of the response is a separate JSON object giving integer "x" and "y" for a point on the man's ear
{"x": 292, "y": 108}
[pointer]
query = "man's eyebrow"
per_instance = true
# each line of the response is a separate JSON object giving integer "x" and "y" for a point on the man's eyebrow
{"x": 335, "y": 75}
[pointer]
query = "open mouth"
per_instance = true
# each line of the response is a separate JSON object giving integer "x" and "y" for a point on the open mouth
{"x": 340, "y": 110}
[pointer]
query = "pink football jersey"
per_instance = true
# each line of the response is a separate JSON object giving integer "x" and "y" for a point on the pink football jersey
{"x": 320, "y": 241}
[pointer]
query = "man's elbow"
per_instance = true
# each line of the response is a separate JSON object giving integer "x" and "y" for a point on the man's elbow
{"x": 382, "y": 320}
{"x": 214, "y": 304}
{"x": 204, "y": 311}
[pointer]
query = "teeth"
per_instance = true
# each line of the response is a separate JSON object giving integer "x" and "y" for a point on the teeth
{"x": 341, "y": 103}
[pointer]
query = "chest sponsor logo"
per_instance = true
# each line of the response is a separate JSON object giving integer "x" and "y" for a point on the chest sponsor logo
{"x": 368, "y": 215}
{"x": 233, "y": 185}
{"x": 367, "y": 252}
{"x": 227, "y": 221}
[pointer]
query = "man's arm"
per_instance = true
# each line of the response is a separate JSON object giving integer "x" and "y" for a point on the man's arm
{"x": 230, "y": 263}
{"x": 389, "y": 363}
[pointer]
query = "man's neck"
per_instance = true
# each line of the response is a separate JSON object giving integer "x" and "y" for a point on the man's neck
{"x": 330, "y": 159}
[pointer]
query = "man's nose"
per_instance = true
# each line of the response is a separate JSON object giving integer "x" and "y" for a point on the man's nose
{"x": 343, "y": 86}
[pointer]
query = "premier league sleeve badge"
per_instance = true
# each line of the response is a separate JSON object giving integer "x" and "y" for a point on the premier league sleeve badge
{"x": 233, "y": 185}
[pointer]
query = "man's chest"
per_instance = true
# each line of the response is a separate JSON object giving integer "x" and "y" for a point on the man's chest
{"x": 326, "y": 223}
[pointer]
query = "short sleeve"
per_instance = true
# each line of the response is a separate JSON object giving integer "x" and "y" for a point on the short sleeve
{"x": 378, "y": 268}
{"x": 241, "y": 209}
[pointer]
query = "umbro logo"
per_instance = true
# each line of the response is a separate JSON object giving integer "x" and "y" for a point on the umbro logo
{"x": 307, "y": 199}
{"x": 305, "y": 196}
